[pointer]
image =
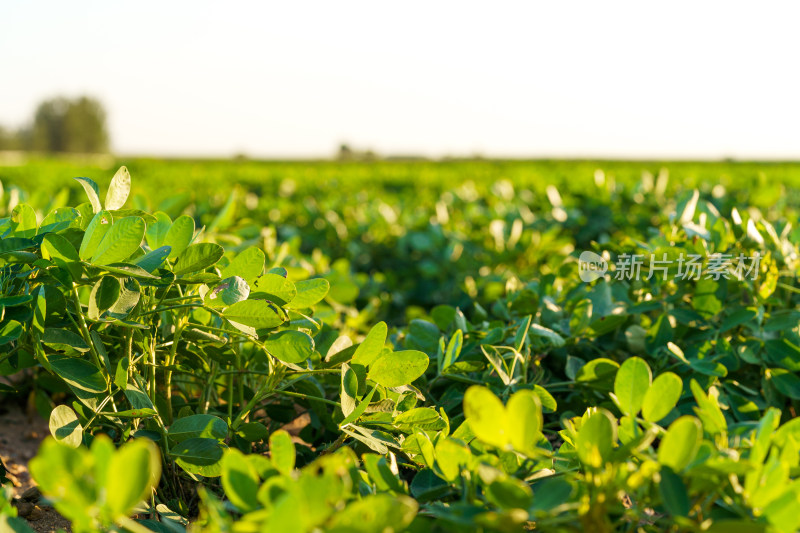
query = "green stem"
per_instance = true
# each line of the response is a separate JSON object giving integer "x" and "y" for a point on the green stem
{"x": 170, "y": 307}
{"x": 76, "y": 301}
{"x": 239, "y": 385}
{"x": 457, "y": 377}
{"x": 292, "y": 373}
{"x": 557, "y": 384}
{"x": 230, "y": 396}
{"x": 129, "y": 353}
{"x": 153, "y": 370}
{"x": 206, "y": 397}
{"x": 9, "y": 354}
{"x": 171, "y": 361}
{"x": 305, "y": 396}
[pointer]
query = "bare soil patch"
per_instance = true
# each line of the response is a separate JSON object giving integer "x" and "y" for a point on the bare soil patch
{"x": 21, "y": 433}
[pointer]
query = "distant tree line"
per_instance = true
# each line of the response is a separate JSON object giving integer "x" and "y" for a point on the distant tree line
{"x": 61, "y": 125}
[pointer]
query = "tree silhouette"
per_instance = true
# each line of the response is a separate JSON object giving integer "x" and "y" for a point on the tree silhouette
{"x": 64, "y": 125}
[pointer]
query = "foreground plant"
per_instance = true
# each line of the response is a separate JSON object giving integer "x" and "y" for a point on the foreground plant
{"x": 651, "y": 403}
{"x": 98, "y": 488}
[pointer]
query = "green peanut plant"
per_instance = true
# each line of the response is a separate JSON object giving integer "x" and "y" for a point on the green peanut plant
{"x": 204, "y": 377}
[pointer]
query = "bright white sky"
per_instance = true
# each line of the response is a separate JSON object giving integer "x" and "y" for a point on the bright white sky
{"x": 611, "y": 79}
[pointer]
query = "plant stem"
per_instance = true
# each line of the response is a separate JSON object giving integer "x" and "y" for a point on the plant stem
{"x": 292, "y": 373}
{"x": 170, "y": 307}
{"x": 305, "y": 396}
{"x": 153, "y": 370}
{"x": 76, "y": 301}
{"x": 171, "y": 361}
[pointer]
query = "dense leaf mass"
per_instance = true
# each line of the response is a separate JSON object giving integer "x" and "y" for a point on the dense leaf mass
{"x": 301, "y": 354}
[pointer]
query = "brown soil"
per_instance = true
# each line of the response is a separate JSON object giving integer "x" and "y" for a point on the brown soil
{"x": 21, "y": 432}
{"x": 20, "y": 436}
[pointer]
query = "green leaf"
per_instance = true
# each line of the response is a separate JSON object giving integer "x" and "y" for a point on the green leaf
{"x": 14, "y": 301}
{"x": 248, "y": 265}
{"x": 486, "y": 415}
{"x": 118, "y": 190}
{"x": 120, "y": 242}
{"x": 598, "y": 372}
{"x": 372, "y": 345}
{"x": 738, "y": 317}
{"x": 376, "y": 512}
{"x": 275, "y": 288}
{"x": 398, "y": 368}
{"x": 205, "y": 426}
{"x": 128, "y": 271}
{"x": 786, "y": 382}
{"x": 708, "y": 411}
{"x": 153, "y": 259}
{"x": 253, "y": 431}
{"x": 195, "y": 453}
{"x": 427, "y": 486}
{"x": 63, "y": 339}
{"x": 92, "y": 192}
{"x": 452, "y": 457}
{"x": 422, "y": 335}
{"x": 362, "y": 407}
{"x": 783, "y": 352}
{"x": 453, "y": 349}
{"x": 282, "y": 451}
{"x": 137, "y": 398}
{"x": 58, "y": 220}
{"x": 662, "y": 396}
{"x": 524, "y": 412}
{"x": 259, "y": 314}
{"x": 98, "y": 227}
{"x": 197, "y": 257}
{"x": 782, "y": 513}
{"x": 130, "y": 478}
{"x": 596, "y": 438}
{"x": 129, "y": 295}
{"x": 10, "y": 331}
{"x": 681, "y": 443}
{"x": 78, "y": 373}
{"x": 673, "y": 493}
{"x": 509, "y": 493}
{"x": 227, "y": 292}
{"x": 581, "y": 317}
{"x": 290, "y": 346}
{"x": 704, "y": 300}
{"x": 240, "y": 481}
{"x": 104, "y": 295}
{"x": 632, "y": 381}
{"x": 309, "y": 292}
{"x": 157, "y": 231}
{"x": 419, "y": 418}
{"x": 179, "y": 236}
{"x": 551, "y": 336}
{"x": 65, "y": 427}
{"x": 349, "y": 392}
{"x": 59, "y": 250}
{"x": 548, "y": 402}
{"x": 381, "y": 473}
{"x": 14, "y": 244}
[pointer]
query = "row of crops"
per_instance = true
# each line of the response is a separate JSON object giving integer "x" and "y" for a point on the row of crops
{"x": 405, "y": 347}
